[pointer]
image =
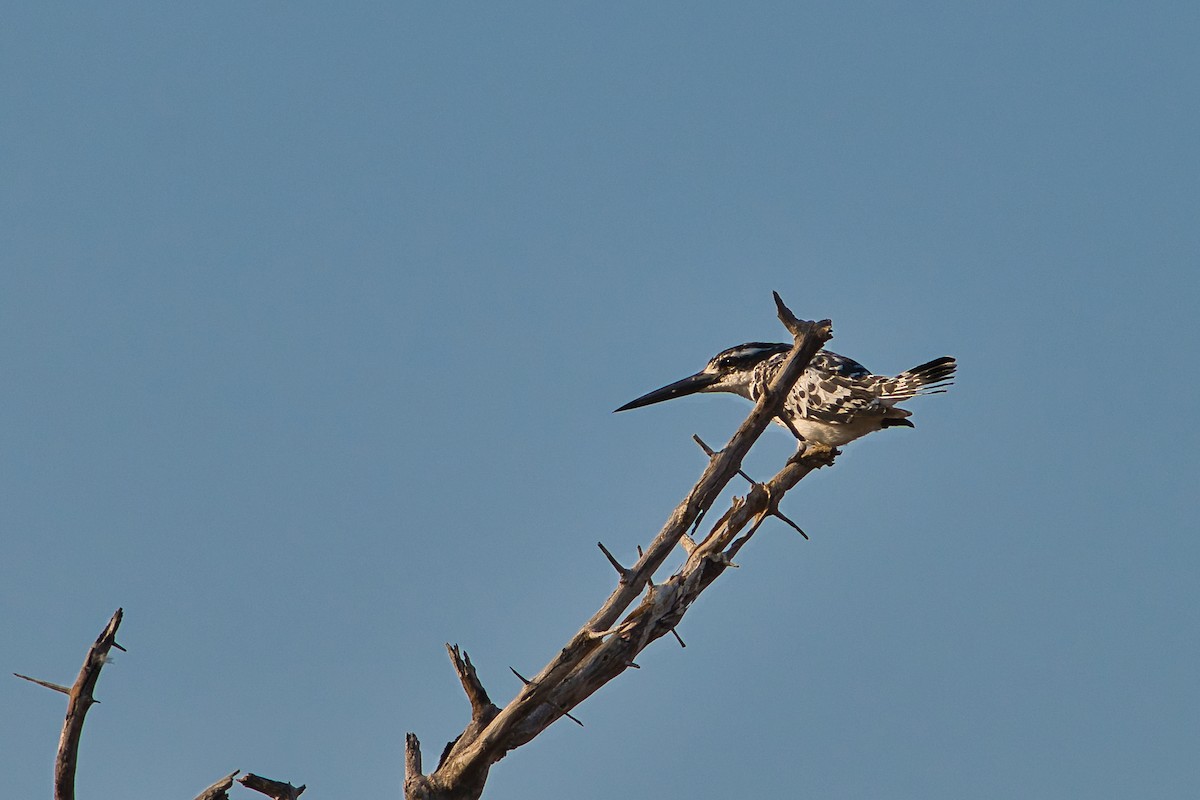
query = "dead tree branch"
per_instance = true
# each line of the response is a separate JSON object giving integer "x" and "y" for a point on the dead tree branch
{"x": 80, "y": 699}
{"x": 608, "y": 642}
{"x": 276, "y": 790}
{"x": 220, "y": 789}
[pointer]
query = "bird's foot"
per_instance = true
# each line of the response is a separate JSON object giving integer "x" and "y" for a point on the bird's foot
{"x": 801, "y": 451}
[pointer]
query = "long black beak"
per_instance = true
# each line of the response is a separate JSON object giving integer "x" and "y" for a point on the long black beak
{"x": 690, "y": 385}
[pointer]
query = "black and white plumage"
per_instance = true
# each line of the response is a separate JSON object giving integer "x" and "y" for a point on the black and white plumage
{"x": 835, "y": 401}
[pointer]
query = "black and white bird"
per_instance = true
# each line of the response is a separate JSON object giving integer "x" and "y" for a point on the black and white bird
{"x": 835, "y": 401}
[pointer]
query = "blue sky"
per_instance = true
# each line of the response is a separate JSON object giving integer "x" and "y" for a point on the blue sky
{"x": 312, "y": 320}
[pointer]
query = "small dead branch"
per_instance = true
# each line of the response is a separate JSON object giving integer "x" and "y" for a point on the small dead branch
{"x": 481, "y": 704}
{"x": 276, "y": 790}
{"x": 56, "y": 687}
{"x": 483, "y": 710}
{"x": 220, "y": 789}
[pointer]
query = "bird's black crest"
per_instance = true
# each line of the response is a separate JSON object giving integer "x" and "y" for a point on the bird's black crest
{"x": 749, "y": 353}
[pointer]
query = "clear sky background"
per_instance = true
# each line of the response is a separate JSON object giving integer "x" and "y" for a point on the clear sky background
{"x": 312, "y": 317}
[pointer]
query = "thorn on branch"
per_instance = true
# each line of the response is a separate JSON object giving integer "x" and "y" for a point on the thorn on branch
{"x": 625, "y": 574}
{"x": 786, "y": 316}
{"x": 56, "y": 687}
{"x": 779, "y": 514}
{"x": 566, "y": 713}
{"x": 708, "y": 451}
{"x": 650, "y": 577}
{"x": 713, "y": 454}
{"x": 631, "y": 664}
{"x": 676, "y": 635}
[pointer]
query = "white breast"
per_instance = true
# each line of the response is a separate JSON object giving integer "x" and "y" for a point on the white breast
{"x": 835, "y": 435}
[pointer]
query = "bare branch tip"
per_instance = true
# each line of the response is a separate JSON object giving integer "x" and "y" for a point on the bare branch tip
{"x": 54, "y": 686}
{"x": 412, "y": 756}
{"x": 460, "y": 656}
{"x": 786, "y": 316}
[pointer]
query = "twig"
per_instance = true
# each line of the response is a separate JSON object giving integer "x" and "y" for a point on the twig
{"x": 56, "y": 687}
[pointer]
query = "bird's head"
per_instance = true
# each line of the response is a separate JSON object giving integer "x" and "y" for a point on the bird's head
{"x": 728, "y": 371}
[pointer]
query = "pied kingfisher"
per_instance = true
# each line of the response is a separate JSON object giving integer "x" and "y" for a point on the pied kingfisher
{"x": 835, "y": 401}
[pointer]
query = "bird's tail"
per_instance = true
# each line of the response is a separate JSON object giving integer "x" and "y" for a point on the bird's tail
{"x": 931, "y": 377}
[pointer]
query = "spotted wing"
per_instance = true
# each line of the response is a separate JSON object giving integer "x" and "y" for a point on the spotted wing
{"x": 834, "y": 389}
